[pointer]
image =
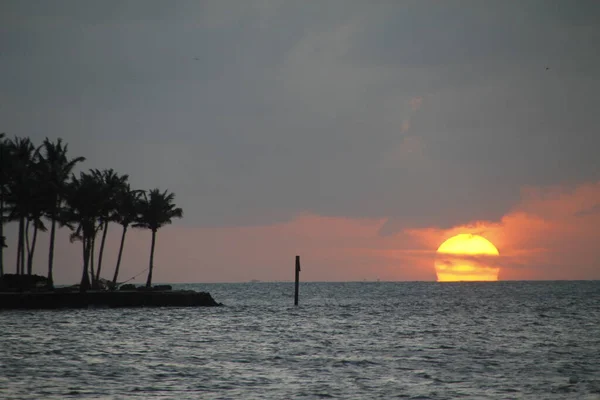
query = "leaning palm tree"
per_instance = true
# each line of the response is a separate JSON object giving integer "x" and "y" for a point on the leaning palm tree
{"x": 128, "y": 206}
{"x": 156, "y": 210}
{"x": 56, "y": 169}
{"x": 84, "y": 199}
{"x": 110, "y": 183}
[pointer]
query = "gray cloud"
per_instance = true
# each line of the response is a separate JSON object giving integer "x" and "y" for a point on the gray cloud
{"x": 294, "y": 106}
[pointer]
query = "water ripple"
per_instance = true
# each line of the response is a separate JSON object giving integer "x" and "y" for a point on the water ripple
{"x": 346, "y": 340}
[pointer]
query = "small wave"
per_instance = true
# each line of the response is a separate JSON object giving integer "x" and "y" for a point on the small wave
{"x": 359, "y": 363}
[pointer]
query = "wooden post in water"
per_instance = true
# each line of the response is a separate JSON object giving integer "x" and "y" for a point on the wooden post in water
{"x": 297, "y": 280}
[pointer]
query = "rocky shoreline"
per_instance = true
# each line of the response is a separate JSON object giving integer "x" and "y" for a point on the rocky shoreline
{"x": 104, "y": 299}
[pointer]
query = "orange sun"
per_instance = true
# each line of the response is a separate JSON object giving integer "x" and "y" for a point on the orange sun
{"x": 466, "y": 257}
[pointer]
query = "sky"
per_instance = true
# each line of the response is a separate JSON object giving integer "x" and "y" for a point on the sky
{"x": 358, "y": 135}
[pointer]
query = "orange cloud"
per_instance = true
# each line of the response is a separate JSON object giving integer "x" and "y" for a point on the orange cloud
{"x": 551, "y": 234}
{"x": 331, "y": 248}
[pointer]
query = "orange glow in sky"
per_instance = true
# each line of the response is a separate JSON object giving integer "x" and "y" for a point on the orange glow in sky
{"x": 463, "y": 258}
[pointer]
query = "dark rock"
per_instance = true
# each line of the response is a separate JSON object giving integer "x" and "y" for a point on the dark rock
{"x": 127, "y": 286}
{"x": 67, "y": 289}
{"x": 53, "y": 300}
{"x": 162, "y": 287}
{"x": 18, "y": 283}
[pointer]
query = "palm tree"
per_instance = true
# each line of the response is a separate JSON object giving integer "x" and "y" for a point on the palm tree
{"x": 4, "y": 166}
{"x": 33, "y": 203}
{"x": 34, "y": 183}
{"x": 110, "y": 183}
{"x": 128, "y": 206}
{"x": 156, "y": 210}
{"x": 56, "y": 168}
{"x": 22, "y": 189}
{"x": 84, "y": 198}
{"x": 36, "y": 208}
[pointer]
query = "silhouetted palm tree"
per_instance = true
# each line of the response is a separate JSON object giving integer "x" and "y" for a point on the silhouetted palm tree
{"x": 56, "y": 169}
{"x": 156, "y": 210}
{"x": 128, "y": 209}
{"x": 4, "y": 166}
{"x": 34, "y": 205}
{"x": 39, "y": 182}
{"x": 84, "y": 198}
{"x": 36, "y": 210}
{"x": 110, "y": 183}
{"x": 23, "y": 189}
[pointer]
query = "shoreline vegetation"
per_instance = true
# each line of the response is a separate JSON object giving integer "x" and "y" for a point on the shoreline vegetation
{"x": 40, "y": 192}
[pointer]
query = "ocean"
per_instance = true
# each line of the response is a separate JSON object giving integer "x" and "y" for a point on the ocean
{"x": 363, "y": 340}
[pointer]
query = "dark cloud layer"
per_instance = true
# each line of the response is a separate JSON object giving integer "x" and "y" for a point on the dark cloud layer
{"x": 255, "y": 111}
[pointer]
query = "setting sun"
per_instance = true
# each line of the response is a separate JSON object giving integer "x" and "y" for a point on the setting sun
{"x": 465, "y": 257}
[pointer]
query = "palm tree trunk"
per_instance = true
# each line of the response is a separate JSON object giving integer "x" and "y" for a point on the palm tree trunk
{"x": 27, "y": 222}
{"x": 2, "y": 241}
{"x": 20, "y": 247}
{"x": 32, "y": 250}
{"x": 85, "y": 278}
{"x": 1, "y": 228}
{"x": 91, "y": 252}
{"x": 27, "y": 246}
{"x": 51, "y": 250}
{"x": 151, "y": 266}
{"x": 23, "y": 250}
{"x": 18, "y": 251}
{"x": 114, "y": 281}
{"x": 104, "y": 232}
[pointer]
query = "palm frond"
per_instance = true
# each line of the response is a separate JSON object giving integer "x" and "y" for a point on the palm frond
{"x": 157, "y": 210}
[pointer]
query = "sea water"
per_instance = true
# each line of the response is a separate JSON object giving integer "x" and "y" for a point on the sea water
{"x": 367, "y": 340}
